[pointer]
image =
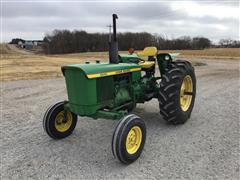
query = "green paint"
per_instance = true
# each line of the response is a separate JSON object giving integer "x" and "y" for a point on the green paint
{"x": 114, "y": 115}
{"x": 81, "y": 92}
{"x": 111, "y": 96}
{"x": 125, "y": 57}
{"x": 94, "y": 68}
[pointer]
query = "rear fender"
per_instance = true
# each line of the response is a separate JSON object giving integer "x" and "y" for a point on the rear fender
{"x": 164, "y": 59}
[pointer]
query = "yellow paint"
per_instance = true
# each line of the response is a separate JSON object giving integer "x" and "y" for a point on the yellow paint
{"x": 186, "y": 99}
{"x": 60, "y": 125}
{"x": 148, "y": 51}
{"x": 111, "y": 73}
{"x": 147, "y": 64}
{"x": 134, "y": 140}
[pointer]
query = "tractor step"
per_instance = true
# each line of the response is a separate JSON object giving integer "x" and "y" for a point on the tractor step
{"x": 149, "y": 96}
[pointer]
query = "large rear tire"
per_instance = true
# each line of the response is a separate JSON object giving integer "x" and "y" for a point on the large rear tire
{"x": 177, "y": 92}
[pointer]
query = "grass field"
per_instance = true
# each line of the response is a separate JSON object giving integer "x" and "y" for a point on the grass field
{"x": 18, "y": 64}
{"x": 209, "y": 53}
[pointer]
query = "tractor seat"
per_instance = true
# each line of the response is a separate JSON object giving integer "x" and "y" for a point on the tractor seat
{"x": 148, "y": 51}
{"x": 146, "y": 64}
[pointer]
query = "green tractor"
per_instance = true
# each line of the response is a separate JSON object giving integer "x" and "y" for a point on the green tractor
{"x": 112, "y": 90}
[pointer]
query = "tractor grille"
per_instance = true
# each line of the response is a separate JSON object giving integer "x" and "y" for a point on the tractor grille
{"x": 105, "y": 89}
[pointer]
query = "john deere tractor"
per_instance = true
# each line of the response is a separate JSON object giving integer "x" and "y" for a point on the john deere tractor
{"x": 112, "y": 90}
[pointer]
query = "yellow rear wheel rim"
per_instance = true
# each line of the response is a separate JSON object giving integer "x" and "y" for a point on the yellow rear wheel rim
{"x": 134, "y": 139}
{"x": 186, "y": 93}
{"x": 62, "y": 125}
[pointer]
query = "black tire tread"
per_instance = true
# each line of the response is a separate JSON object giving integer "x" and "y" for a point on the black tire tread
{"x": 169, "y": 90}
{"x": 47, "y": 121}
{"x": 119, "y": 135}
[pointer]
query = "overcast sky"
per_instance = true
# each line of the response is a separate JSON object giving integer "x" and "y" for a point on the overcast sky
{"x": 33, "y": 19}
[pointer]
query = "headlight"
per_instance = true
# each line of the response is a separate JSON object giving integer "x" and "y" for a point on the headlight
{"x": 167, "y": 57}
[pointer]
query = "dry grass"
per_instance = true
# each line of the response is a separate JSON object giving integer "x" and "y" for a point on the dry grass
{"x": 211, "y": 53}
{"x": 4, "y": 49}
{"x": 16, "y": 64}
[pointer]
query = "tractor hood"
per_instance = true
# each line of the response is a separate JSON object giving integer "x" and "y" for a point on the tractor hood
{"x": 103, "y": 69}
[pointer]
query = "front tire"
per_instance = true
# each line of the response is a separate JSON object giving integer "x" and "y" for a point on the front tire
{"x": 59, "y": 123}
{"x": 129, "y": 139}
{"x": 177, "y": 92}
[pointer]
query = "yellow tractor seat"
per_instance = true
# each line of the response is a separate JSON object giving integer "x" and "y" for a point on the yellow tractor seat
{"x": 146, "y": 64}
{"x": 148, "y": 51}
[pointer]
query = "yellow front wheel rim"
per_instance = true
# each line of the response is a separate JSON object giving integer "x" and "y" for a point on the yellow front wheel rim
{"x": 186, "y": 93}
{"x": 63, "y": 125}
{"x": 134, "y": 139}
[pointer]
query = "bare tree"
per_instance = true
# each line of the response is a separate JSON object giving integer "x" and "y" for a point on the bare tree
{"x": 64, "y": 41}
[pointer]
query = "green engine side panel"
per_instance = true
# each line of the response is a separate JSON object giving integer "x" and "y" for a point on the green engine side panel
{"x": 81, "y": 92}
{"x": 105, "y": 89}
{"x": 89, "y": 95}
{"x": 136, "y": 76}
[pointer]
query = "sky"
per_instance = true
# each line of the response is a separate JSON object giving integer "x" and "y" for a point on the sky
{"x": 31, "y": 19}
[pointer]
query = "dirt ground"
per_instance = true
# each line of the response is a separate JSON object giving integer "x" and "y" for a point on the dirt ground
{"x": 205, "y": 147}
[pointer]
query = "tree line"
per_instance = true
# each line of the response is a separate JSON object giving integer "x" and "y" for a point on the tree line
{"x": 65, "y": 41}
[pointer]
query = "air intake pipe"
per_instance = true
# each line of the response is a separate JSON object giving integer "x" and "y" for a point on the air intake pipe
{"x": 113, "y": 44}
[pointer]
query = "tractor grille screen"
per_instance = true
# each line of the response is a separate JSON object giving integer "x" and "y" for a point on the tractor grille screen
{"x": 105, "y": 89}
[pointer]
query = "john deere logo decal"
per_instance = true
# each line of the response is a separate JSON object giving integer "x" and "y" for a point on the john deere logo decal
{"x": 103, "y": 74}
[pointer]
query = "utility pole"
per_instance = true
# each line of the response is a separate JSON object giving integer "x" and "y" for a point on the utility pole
{"x": 110, "y": 32}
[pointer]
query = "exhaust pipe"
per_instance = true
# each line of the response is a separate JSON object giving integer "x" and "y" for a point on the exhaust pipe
{"x": 113, "y": 44}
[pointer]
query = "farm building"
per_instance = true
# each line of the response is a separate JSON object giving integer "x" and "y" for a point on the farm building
{"x": 20, "y": 44}
{"x": 30, "y": 44}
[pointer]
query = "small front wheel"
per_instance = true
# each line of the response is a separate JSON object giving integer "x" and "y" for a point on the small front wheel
{"x": 58, "y": 122}
{"x": 129, "y": 139}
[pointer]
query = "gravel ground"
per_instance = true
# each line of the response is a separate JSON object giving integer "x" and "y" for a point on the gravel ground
{"x": 206, "y": 147}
